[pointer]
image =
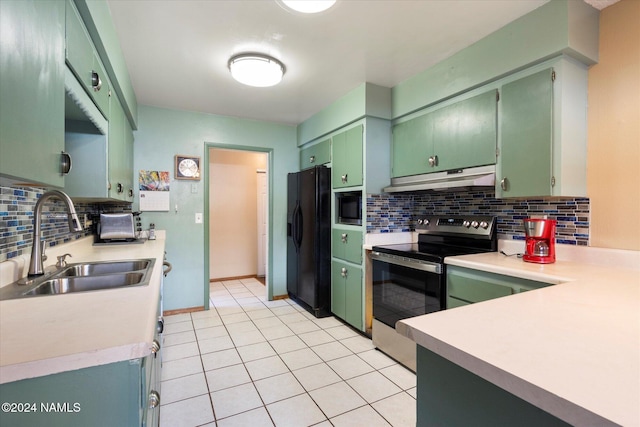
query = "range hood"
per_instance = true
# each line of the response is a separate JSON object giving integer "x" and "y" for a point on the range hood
{"x": 459, "y": 179}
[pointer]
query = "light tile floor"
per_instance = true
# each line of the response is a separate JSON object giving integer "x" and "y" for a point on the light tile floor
{"x": 252, "y": 362}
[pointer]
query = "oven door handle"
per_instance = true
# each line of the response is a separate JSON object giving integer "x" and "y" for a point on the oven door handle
{"x": 404, "y": 262}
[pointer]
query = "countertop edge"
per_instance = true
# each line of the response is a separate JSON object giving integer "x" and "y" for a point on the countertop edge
{"x": 541, "y": 398}
{"x": 72, "y": 362}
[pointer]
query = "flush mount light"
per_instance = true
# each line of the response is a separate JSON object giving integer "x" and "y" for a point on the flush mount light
{"x": 308, "y": 6}
{"x": 257, "y": 70}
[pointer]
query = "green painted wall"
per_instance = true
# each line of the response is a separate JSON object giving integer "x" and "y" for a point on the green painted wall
{"x": 163, "y": 133}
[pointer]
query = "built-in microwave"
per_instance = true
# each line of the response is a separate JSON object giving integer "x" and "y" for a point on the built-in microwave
{"x": 349, "y": 207}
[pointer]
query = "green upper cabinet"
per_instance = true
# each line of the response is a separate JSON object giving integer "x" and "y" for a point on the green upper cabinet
{"x": 412, "y": 146}
{"x": 456, "y": 136}
{"x": 347, "y": 160}
{"x": 84, "y": 60}
{"x": 32, "y": 88}
{"x": 543, "y": 147}
{"x": 120, "y": 173}
{"x": 525, "y": 156}
{"x": 314, "y": 155}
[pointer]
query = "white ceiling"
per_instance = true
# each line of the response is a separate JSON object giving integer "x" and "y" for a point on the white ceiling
{"x": 177, "y": 50}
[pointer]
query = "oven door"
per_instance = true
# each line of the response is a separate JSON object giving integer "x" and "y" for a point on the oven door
{"x": 404, "y": 287}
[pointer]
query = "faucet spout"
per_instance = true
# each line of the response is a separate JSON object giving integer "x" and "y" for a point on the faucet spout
{"x": 36, "y": 267}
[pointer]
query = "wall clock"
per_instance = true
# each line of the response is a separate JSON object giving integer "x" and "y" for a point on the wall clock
{"x": 187, "y": 167}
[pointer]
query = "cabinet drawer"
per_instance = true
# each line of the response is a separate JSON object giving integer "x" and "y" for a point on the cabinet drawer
{"x": 317, "y": 154}
{"x": 347, "y": 245}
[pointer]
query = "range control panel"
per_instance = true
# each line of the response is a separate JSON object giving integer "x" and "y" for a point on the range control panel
{"x": 472, "y": 225}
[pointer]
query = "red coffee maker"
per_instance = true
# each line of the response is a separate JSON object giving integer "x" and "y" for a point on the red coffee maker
{"x": 540, "y": 240}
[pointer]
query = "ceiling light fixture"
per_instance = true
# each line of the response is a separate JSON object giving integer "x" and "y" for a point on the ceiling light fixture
{"x": 308, "y": 6}
{"x": 257, "y": 70}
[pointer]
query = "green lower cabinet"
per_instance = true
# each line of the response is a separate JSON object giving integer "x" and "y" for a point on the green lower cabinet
{"x": 317, "y": 154}
{"x": 346, "y": 244}
{"x": 110, "y": 395}
{"x": 346, "y": 293}
{"x": 449, "y": 395}
{"x": 467, "y": 286}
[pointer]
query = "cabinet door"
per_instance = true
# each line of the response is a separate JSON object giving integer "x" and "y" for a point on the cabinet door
{"x": 347, "y": 158}
{"x": 469, "y": 288}
{"x": 338, "y": 302}
{"x": 32, "y": 88}
{"x": 465, "y": 133}
{"x": 525, "y": 154}
{"x": 412, "y": 147}
{"x": 116, "y": 147}
{"x": 317, "y": 154}
{"x": 128, "y": 160}
{"x": 347, "y": 244}
{"x": 353, "y": 297}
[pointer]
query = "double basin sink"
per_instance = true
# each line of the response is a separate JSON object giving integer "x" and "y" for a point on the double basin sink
{"x": 84, "y": 277}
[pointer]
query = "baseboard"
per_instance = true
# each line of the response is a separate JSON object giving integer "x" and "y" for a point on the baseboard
{"x": 222, "y": 279}
{"x": 182, "y": 311}
{"x": 276, "y": 297}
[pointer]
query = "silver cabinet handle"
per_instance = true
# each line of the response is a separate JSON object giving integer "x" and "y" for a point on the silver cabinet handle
{"x": 344, "y": 178}
{"x": 344, "y": 237}
{"x": 154, "y": 399}
{"x": 160, "y": 326}
{"x": 504, "y": 184}
{"x": 312, "y": 159}
{"x": 96, "y": 83}
{"x": 65, "y": 163}
{"x": 168, "y": 269}
{"x": 131, "y": 192}
{"x": 343, "y": 272}
{"x": 155, "y": 348}
{"x": 433, "y": 161}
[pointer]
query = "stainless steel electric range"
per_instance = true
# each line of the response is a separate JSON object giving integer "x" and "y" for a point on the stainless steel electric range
{"x": 410, "y": 279}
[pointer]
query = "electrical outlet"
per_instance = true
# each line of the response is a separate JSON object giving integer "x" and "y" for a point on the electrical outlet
{"x": 198, "y": 218}
{"x": 194, "y": 188}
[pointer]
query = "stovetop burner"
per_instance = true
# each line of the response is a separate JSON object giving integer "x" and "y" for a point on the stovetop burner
{"x": 443, "y": 236}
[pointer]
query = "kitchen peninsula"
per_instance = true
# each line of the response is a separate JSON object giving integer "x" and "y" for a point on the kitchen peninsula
{"x": 572, "y": 350}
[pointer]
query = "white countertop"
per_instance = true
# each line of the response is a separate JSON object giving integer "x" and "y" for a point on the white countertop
{"x": 50, "y": 334}
{"x": 572, "y": 349}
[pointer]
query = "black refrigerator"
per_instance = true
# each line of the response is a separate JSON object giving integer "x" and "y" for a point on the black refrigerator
{"x": 309, "y": 239}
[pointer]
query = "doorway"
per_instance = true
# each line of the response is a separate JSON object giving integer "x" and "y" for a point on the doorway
{"x": 238, "y": 214}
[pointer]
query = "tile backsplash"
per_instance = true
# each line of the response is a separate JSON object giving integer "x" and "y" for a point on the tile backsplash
{"x": 16, "y": 220}
{"x": 572, "y": 214}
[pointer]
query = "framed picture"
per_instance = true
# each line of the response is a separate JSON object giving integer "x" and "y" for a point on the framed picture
{"x": 187, "y": 167}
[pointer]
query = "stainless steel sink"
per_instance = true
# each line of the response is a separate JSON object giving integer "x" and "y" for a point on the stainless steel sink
{"x": 65, "y": 285}
{"x": 84, "y": 277}
{"x": 96, "y": 268}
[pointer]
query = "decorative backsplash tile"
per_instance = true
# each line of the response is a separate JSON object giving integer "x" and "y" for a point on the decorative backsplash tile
{"x": 387, "y": 213}
{"x": 16, "y": 220}
{"x": 572, "y": 214}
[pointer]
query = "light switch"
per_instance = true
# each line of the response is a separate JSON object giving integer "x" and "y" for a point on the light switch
{"x": 198, "y": 218}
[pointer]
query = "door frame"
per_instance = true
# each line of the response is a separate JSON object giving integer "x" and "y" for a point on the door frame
{"x": 206, "y": 176}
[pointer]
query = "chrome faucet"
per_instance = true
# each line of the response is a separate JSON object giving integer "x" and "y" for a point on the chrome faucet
{"x": 36, "y": 267}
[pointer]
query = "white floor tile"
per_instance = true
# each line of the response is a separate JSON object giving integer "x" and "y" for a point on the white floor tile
{"x": 187, "y": 413}
{"x": 181, "y": 368}
{"x": 350, "y": 366}
{"x": 276, "y": 303}
{"x": 268, "y": 322}
{"x": 276, "y": 332}
{"x": 230, "y": 376}
{"x": 267, "y": 367}
{"x": 295, "y": 412}
{"x": 204, "y": 314}
{"x": 399, "y": 410}
{"x": 284, "y": 345}
{"x": 300, "y": 358}
{"x": 246, "y": 338}
{"x": 213, "y": 332}
{"x": 316, "y": 338}
{"x": 257, "y": 306}
{"x": 235, "y": 400}
{"x": 241, "y": 327}
{"x": 331, "y": 350}
{"x": 177, "y": 318}
{"x": 279, "y": 387}
{"x": 413, "y": 392}
{"x": 260, "y": 313}
{"x": 220, "y": 359}
{"x": 400, "y": 375}
{"x": 234, "y": 318}
{"x": 373, "y": 386}
{"x": 327, "y": 322}
{"x": 255, "y": 351}
{"x": 341, "y": 332}
{"x": 377, "y": 359}
{"x": 180, "y": 351}
{"x": 336, "y": 399}
{"x": 183, "y": 388}
{"x": 173, "y": 328}
{"x": 282, "y": 310}
{"x": 255, "y": 418}
{"x": 215, "y": 344}
{"x": 207, "y": 322}
{"x": 363, "y": 416}
{"x": 292, "y": 318}
{"x": 316, "y": 376}
{"x": 305, "y": 326}
{"x": 358, "y": 344}
{"x": 179, "y": 338}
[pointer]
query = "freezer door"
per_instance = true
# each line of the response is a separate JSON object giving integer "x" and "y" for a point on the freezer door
{"x": 293, "y": 204}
